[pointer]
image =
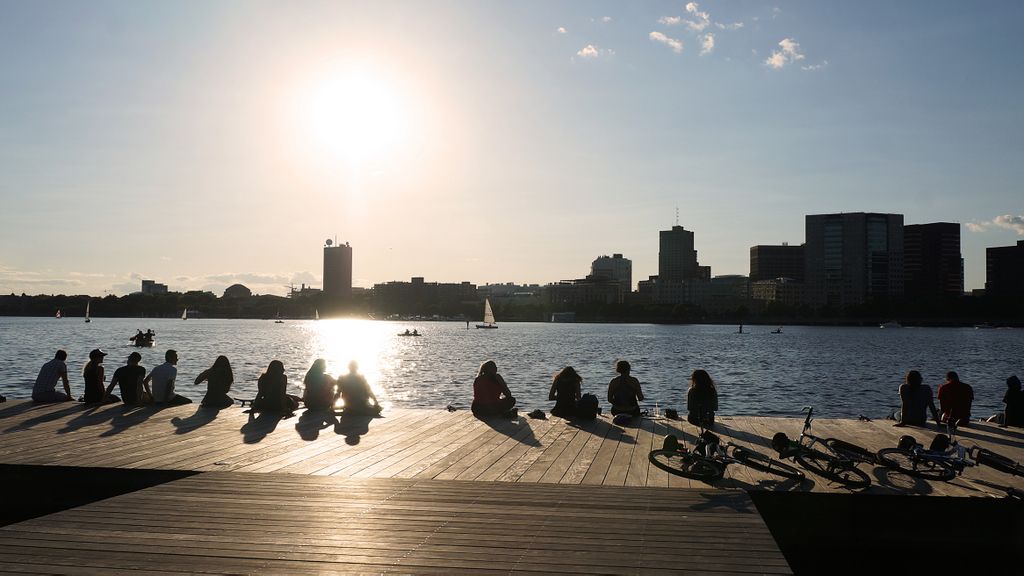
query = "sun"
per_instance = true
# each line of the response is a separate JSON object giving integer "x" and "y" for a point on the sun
{"x": 356, "y": 116}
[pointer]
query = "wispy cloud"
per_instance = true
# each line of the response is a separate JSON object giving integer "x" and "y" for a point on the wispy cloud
{"x": 674, "y": 44}
{"x": 707, "y": 44}
{"x": 789, "y": 54}
{"x": 562, "y": 30}
{"x": 733, "y": 26}
{"x": 703, "y": 20}
{"x": 670, "y": 20}
{"x": 606, "y": 19}
{"x": 1007, "y": 221}
{"x": 813, "y": 67}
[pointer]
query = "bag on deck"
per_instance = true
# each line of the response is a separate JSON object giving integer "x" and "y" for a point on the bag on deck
{"x": 587, "y": 407}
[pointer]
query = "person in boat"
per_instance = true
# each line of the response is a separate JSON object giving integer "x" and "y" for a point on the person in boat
{"x": 406, "y": 333}
{"x": 566, "y": 392}
{"x": 1013, "y": 413}
{"x": 955, "y": 398}
{"x": 219, "y": 379}
{"x": 319, "y": 392}
{"x": 355, "y": 393}
{"x": 138, "y": 336}
{"x": 415, "y": 332}
{"x": 44, "y": 391}
{"x": 915, "y": 401}
{"x": 624, "y": 391}
{"x": 93, "y": 374}
{"x": 701, "y": 400}
{"x": 149, "y": 334}
{"x": 491, "y": 396}
{"x": 162, "y": 378}
{"x": 129, "y": 378}
{"x": 272, "y": 395}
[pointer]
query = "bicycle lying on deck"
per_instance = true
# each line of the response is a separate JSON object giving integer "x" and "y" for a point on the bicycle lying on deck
{"x": 830, "y": 458}
{"x": 709, "y": 457}
{"x": 944, "y": 458}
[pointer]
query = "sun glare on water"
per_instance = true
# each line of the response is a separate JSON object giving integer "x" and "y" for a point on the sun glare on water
{"x": 356, "y": 116}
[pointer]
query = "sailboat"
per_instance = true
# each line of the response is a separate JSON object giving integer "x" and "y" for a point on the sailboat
{"x": 316, "y": 314}
{"x": 58, "y": 316}
{"x": 87, "y": 311}
{"x": 279, "y": 321}
{"x": 488, "y": 316}
{"x": 184, "y": 314}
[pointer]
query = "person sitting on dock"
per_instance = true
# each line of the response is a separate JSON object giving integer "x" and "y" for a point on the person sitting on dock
{"x": 915, "y": 401}
{"x": 44, "y": 390}
{"x": 273, "y": 393}
{"x": 1013, "y": 413}
{"x": 356, "y": 395}
{"x": 163, "y": 377}
{"x": 319, "y": 392}
{"x": 95, "y": 393}
{"x": 624, "y": 391}
{"x": 491, "y": 396}
{"x": 565, "y": 391}
{"x": 219, "y": 379}
{"x": 701, "y": 400}
{"x": 955, "y": 398}
{"x": 129, "y": 378}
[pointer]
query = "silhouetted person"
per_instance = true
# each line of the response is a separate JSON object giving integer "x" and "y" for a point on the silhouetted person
{"x": 319, "y": 387}
{"x": 955, "y": 398}
{"x": 163, "y": 377}
{"x": 566, "y": 392}
{"x": 94, "y": 377}
{"x": 129, "y": 378}
{"x": 356, "y": 394}
{"x": 273, "y": 393}
{"x": 1013, "y": 413}
{"x": 45, "y": 389}
{"x": 491, "y": 396}
{"x": 624, "y": 391}
{"x": 219, "y": 379}
{"x": 701, "y": 400}
{"x": 915, "y": 401}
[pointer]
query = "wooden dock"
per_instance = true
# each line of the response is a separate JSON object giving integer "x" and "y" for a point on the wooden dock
{"x": 417, "y": 491}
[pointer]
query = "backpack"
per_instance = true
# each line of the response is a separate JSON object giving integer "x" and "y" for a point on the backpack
{"x": 587, "y": 407}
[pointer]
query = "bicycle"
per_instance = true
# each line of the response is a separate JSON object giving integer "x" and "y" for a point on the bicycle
{"x": 944, "y": 458}
{"x": 830, "y": 458}
{"x": 709, "y": 458}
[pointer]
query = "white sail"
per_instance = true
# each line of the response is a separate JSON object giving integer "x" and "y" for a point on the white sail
{"x": 184, "y": 314}
{"x": 488, "y": 315}
{"x": 58, "y": 313}
{"x": 316, "y": 314}
{"x": 87, "y": 311}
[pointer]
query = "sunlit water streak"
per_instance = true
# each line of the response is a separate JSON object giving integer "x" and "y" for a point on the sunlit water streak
{"x": 842, "y": 371}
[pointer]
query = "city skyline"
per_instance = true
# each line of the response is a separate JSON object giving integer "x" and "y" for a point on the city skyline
{"x": 200, "y": 144}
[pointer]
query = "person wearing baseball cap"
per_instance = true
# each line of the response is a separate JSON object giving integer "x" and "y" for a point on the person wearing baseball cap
{"x": 94, "y": 377}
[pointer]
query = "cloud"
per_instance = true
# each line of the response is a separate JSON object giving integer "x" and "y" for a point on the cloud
{"x": 590, "y": 52}
{"x": 703, "y": 19}
{"x": 670, "y": 20}
{"x": 707, "y": 44}
{"x": 813, "y": 67}
{"x": 606, "y": 19}
{"x": 790, "y": 53}
{"x": 1010, "y": 222}
{"x": 733, "y": 26}
{"x": 561, "y": 30}
{"x": 977, "y": 226}
{"x": 674, "y": 44}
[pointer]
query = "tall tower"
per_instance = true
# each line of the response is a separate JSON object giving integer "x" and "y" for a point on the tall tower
{"x": 677, "y": 259}
{"x": 337, "y": 269}
{"x": 932, "y": 262}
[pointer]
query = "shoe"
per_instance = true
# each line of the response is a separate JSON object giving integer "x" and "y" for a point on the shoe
{"x": 538, "y": 414}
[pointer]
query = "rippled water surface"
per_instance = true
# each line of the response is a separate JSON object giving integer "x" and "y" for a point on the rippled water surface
{"x": 841, "y": 371}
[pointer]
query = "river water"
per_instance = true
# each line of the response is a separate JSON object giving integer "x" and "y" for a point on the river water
{"x": 842, "y": 371}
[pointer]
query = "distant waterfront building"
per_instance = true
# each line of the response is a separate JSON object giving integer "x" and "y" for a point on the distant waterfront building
{"x": 726, "y": 292}
{"x": 677, "y": 267}
{"x": 933, "y": 266}
{"x": 303, "y": 291}
{"x": 852, "y": 258}
{"x": 768, "y": 262}
{"x": 153, "y": 287}
{"x": 337, "y": 269}
{"x": 614, "y": 267}
{"x": 237, "y": 291}
{"x": 785, "y": 291}
{"x": 508, "y": 290}
{"x": 589, "y": 290}
{"x": 417, "y": 295}
{"x": 1004, "y": 271}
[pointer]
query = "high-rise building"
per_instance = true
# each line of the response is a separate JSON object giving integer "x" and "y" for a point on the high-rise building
{"x": 337, "y": 269}
{"x": 770, "y": 262}
{"x": 1004, "y": 271}
{"x": 677, "y": 258}
{"x": 933, "y": 266}
{"x": 853, "y": 258}
{"x": 614, "y": 268}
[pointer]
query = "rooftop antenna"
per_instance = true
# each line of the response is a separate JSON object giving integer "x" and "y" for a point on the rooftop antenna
{"x": 677, "y": 215}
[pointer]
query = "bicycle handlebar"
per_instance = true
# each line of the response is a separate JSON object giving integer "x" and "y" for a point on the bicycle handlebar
{"x": 807, "y": 421}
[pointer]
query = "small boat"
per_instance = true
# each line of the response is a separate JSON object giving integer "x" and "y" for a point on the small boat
{"x": 407, "y": 333}
{"x": 777, "y": 330}
{"x": 278, "y": 320}
{"x": 87, "y": 320}
{"x": 58, "y": 316}
{"x": 488, "y": 316}
{"x": 890, "y": 324}
{"x": 143, "y": 339}
{"x": 184, "y": 314}
{"x": 983, "y": 326}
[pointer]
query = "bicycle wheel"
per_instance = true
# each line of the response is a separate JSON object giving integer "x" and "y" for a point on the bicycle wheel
{"x": 851, "y": 451}
{"x": 837, "y": 470}
{"x": 687, "y": 464}
{"x": 999, "y": 462}
{"x": 759, "y": 461}
{"x": 910, "y": 464}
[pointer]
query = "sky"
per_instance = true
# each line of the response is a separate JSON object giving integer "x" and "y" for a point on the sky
{"x": 203, "y": 143}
